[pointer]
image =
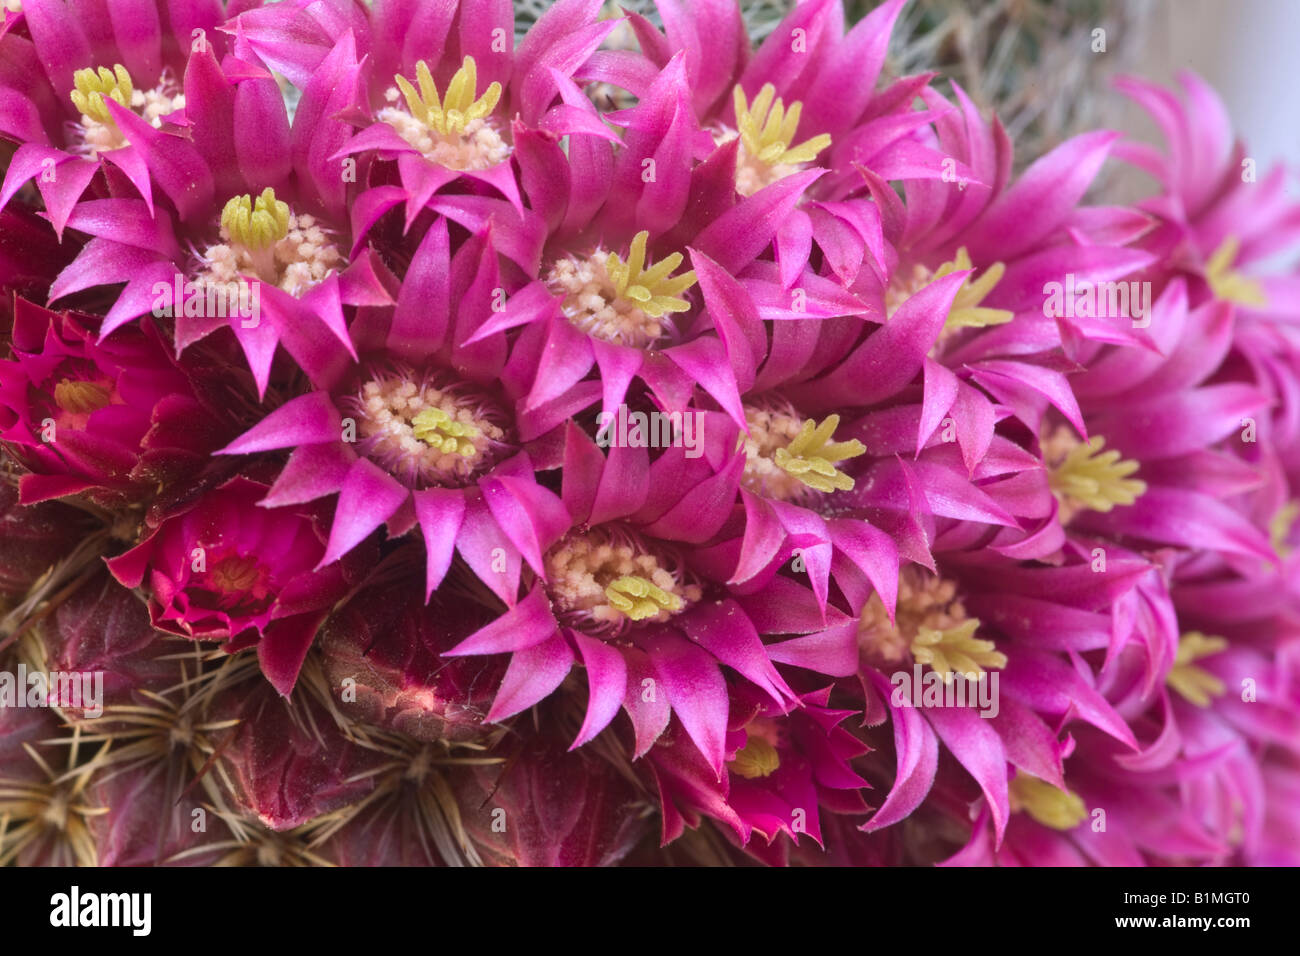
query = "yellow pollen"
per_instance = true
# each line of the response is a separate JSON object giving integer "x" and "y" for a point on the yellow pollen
{"x": 638, "y": 598}
{"x": 767, "y": 129}
{"x": 256, "y": 225}
{"x": 930, "y": 621}
{"x": 966, "y": 312}
{"x": 811, "y": 456}
{"x": 460, "y": 105}
{"x": 1279, "y": 528}
{"x": 422, "y": 433}
{"x": 955, "y": 650}
{"x": 81, "y": 398}
{"x": 1197, "y": 686}
{"x": 1227, "y": 284}
{"x": 598, "y": 581}
{"x": 1049, "y": 805}
{"x": 92, "y": 88}
{"x": 1082, "y": 476}
{"x": 758, "y": 758}
{"x": 436, "y": 428}
{"x": 617, "y": 301}
{"x": 235, "y": 573}
{"x": 654, "y": 290}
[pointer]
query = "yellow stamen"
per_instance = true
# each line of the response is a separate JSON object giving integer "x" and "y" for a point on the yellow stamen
{"x": 436, "y": 428}
{"x": 92, "y": 87}
{"x": 256, "y": 225}
{"x": 767, "y": 129}
{"x": 757, "y": 758}
{"x": 1049, "y": 805}
{"x": 1197, "y": 686}
{"x": 654, "y": 290}
{"x": 1087, "y": 477}
{"x": 811, "y": 456}
{"x": 966, "y": 312}
{"x": 458, "y": 107}
{"x": 1229, "y": 285}
{"x": 637, "y": 598}
{"x": 81, "y": 398}
{"x": 236, "y": 573}
{"x": 1279, "y": 528}
{"x": 955, "y": 650}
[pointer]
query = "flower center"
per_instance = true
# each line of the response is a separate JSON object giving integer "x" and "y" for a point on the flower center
{"x": 760, "y": 756}
{"x": 1049, "y": 805}
{"x": 607, "y": 581}
{"x": 1229, "y": 285}
{"x": 785, "y": 457}
{"x": 236, "y": 573}
{"x": 766, "y": 130}
{"x": 1196, "y": 685}
{"x": 617, "y": 301}
{"x": 930, "y": 621}
{"x": 426, "y": 431}
{"x": 455, "y": 131}
{"x": 966, "y": 311}
{"x": 238, "y": 584}
{"x": 81, "y": 397}
{"x": 92, "y": 88}
{"x": 1083, "y": 477}
{"x": 264, "y": 238}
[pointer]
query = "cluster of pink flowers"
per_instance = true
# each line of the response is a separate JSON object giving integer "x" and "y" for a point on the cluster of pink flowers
{"x": 664, "y": 449}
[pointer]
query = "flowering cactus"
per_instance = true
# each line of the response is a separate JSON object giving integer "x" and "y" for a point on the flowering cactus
{"x": 629, "y": 444}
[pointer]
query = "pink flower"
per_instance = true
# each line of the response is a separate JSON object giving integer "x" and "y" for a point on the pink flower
{"x": 112, "y": 419}
{"x": 225, "y": 569}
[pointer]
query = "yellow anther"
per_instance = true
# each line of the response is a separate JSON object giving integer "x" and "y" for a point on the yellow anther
{"x": 955, "y": 650}
{"x": 81, "y": 398}
{"x": 655, "y": 290}
{"x": 1090, "y": 478}
{"x": 1197, "y": 686}
{"x": 966, "y": 312}
{"x": 637, "y": 598}
{"x": 236, "y": 573}
{"x": 1227, "y": 284}
{"x": 1049, "y": 805}
{"x": 757, "y": 758}
{"x": 436, "y": 428}
{"x": 458, "y": 107}
{"x": 1279, "y": 528}
{"x": 767, "y": 129}
{"x": 256, "y": 225}
{"x": 811, "y": 456}
{"x": 92, "y": 87}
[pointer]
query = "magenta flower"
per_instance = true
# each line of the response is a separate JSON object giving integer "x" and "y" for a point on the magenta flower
{"x": 432, "y": 443}
{"x": 781, "y": 767}
{"x": 618, "y": 593}
{"x": 111, "y": 420}
{"x": 225, "y": 569}
{"x": 90, "y": 96}
{"x": 940, "y": 558}
{"x": 234, "y": 254}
